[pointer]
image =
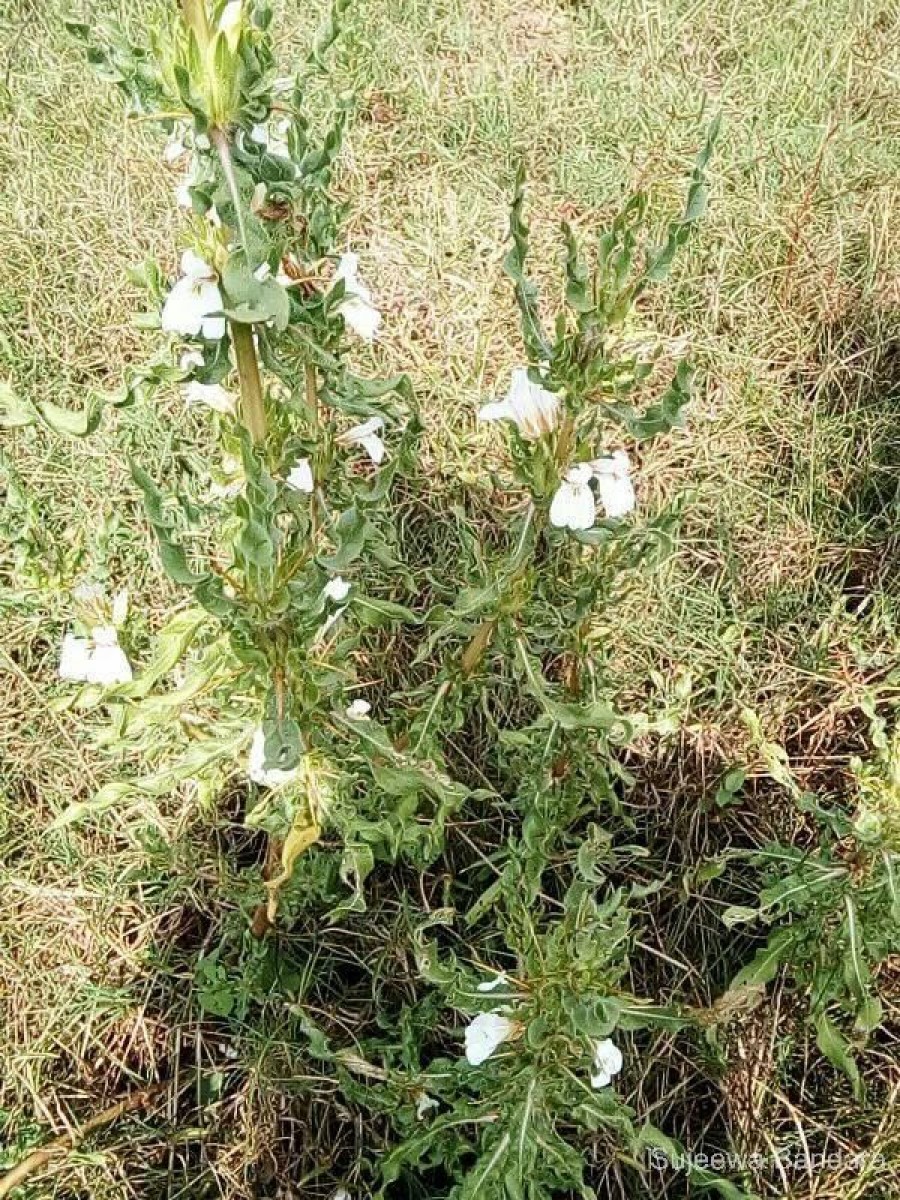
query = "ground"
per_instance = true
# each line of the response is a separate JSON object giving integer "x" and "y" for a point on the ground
{"x": 778, "y": 597}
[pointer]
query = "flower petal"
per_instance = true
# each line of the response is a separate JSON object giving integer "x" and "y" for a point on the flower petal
{"x": 497, "y": 410}
{"x": 180, "y": 313}
{"x": 300, "y": 477}
{"x": 616, "y": 494}
{"x": 337, "y": 589}
{"x": 374, "y": 447}
{"x": 490, "y": 985}
{"x": 213, "y": 395}
{"x": 74, "y": 658}
{"x": 484, "y": 1034}
{"x": 573, "y": 506}
{"x": 256, "y": 765}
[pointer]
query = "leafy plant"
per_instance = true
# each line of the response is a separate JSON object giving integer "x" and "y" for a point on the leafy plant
{"x": 291, "y": 549}
{"x": 834, "y": 910}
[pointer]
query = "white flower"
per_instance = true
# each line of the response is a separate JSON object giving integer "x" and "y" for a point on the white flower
{"x": 190, "y": 360}
{"x": 300, "y": 476}
{"x": 367, "y": 436}
{"x": 490, "y": 985}
{"x": 341, "y": 1194}
{"x": 192, "y": 301}
{"x": 614, "y": 486}
{"x": 534, "y": 409}
{"x": 607, "y": 1062}
{"x": 275, "y": 141}
{"x": 107, "y": 663}
{"x": 256, "y": 765}
{"x": 213, "y": 395}
{"x": 485, "y": 1033}
{"x": 74, "y": 658}
{"x": 337, "y": 589}
{"x": 573, "y": 506}
{"x": 95, "y": 659}
{"x": 356, "y": 307}
{"x": 359, "y": 710}
{"x": 183, "y": 197}
{"x": 424, "y": 1104}
{"x": 174, "y": 148}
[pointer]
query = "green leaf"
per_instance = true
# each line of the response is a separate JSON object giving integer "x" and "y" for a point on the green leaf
{"x": 739, "y": 914}
{"x": 253, "y": 301}
{"x": 72, "y": 422}
{"x": 869, "y": 1015}
{"x": 668, "y": 413}
{"x": 15, "y": 411}
{"x": 837, "y": 1050}
{"x": 856, "y": 972}
{"x": 381, "y": 612}
{"x": 764, "y": 966}
{"x": 172, "y": 555}
{"x": 514, "y": 266}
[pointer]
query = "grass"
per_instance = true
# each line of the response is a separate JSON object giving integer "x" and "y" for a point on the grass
{"x": 779, "y": 596}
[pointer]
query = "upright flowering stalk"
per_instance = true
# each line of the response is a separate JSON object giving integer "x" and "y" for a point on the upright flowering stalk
{"x": 257, "y": 322}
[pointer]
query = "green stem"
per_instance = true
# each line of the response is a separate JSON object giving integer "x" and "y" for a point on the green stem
{"x": 312, "y": 395}
{"x": 564, "y": 441}
{"x": 219, "y": 139}
{"x": 253, "y": 409}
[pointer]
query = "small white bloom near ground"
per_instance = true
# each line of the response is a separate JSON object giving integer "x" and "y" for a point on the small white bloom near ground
{"x": 367, "y": 435}
{"x": 424, "y": 1104}
{"x": 274, "y": 140}
{"x": 615, "y": 490}
{"x": 490, "y": 985}
{"x": 95, "y": 659}
{"x": 533, "y": 409}
{"x": 485, "y": 1033}
{"x": 256, "y": 765}
{"x": 573, "y": 505}
{"x": 357, "y": 307}
{"x": 300, "y": 476}
{"x": 337, "y": 589}
{"x": 607, "y": 1063}
{"x": 191, "y": 360}
{"x": 193, "y": 300}
{"x": 359, "y": 710}
{"x": 212, "y": 395}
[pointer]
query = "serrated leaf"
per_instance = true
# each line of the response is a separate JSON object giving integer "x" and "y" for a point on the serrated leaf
{"x": 836, "y": 1049}
{"x": 376, "y": 612}
{"x": 764, "y": 965}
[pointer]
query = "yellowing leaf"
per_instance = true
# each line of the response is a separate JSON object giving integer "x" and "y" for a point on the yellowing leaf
{"x": 304, "y": 833}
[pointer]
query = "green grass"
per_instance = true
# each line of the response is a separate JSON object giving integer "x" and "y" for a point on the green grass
{"x": 779, "y": 595}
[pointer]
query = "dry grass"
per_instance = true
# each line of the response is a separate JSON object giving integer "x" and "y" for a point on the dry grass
{"x": 779, "y": 595}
